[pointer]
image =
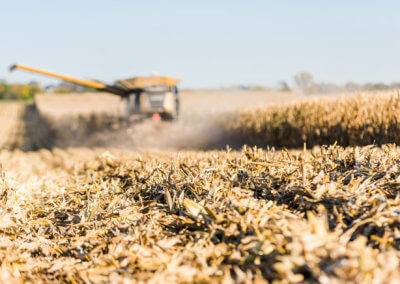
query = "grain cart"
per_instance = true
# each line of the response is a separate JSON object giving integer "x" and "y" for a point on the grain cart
{"x": 145, "y": 96}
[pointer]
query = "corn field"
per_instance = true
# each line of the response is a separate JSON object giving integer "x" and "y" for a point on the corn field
{"x": 321, "y": 214}
{"x": 348, "y": 121}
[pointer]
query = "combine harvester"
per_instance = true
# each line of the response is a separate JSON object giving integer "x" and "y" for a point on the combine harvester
{"x": 151, "y": 96}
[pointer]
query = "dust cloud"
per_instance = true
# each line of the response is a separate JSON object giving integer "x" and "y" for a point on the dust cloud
{"x": 92, "y": 121}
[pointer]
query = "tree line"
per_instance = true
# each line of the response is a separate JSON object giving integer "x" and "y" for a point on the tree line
{"x": 27, "y": 91}
{"x": 305, "y": 83}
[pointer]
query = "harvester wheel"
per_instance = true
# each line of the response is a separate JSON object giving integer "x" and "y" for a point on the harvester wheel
{"x": 132, "y": 112}
{"x": 171, "y": 116}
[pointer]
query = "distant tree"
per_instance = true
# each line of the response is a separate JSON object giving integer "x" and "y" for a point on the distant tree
{"x": 304, "y": 81}
{"x": 283, "y": 86}
{"x": 3, "y": 88}
{"x": 381, "y": 86}
{"x": 35, "y": 88}
{"x": 326, "y": 88}
{"x": 395, "y": 85}
{"x": 376, "y": 87}
{"x": 65, "y": 88}
{"x": 18, "y": 91}
{"x": 351, "y": 86}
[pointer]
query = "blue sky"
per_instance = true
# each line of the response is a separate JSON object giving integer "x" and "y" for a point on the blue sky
{"x": 205, "y": 43}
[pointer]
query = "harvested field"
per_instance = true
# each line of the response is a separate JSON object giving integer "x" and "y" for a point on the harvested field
{"x": 352, "y": 120}
{"x": 82, "y": 215}
{"x": 325, "y": 215}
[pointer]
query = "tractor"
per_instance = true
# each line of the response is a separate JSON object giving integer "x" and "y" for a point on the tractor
{"x": 147, "y": 96}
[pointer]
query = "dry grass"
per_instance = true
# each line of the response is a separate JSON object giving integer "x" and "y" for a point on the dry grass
{"x": 86, "y": 216}
{"x": 22, "y": 127}
{"x": 352, "y": 120}
{"x": 11, "y": 130}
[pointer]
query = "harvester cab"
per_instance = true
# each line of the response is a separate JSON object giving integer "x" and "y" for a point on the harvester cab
{"x": 144, "y": 96}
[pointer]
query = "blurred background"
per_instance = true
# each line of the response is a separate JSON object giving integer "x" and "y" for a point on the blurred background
{"x": 229, "y": 55}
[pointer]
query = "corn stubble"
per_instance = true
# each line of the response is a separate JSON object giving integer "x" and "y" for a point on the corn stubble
{"x": 329, "y": 214}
